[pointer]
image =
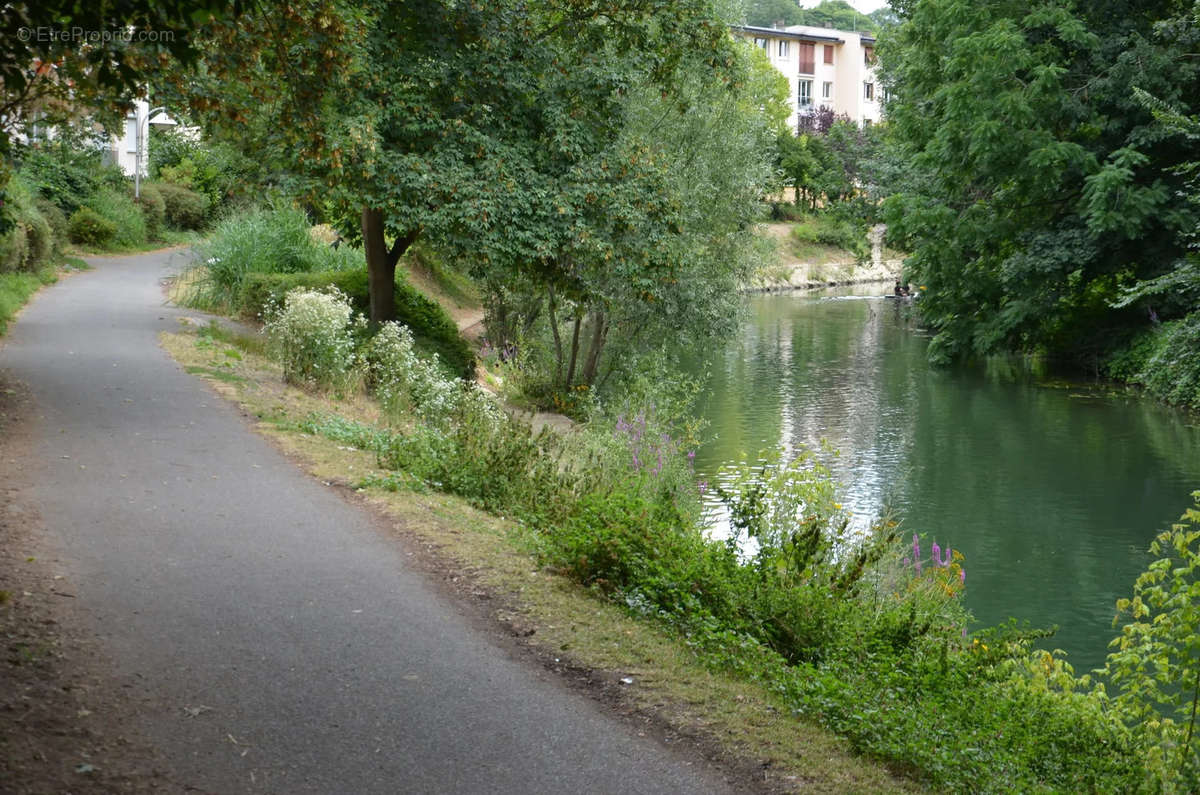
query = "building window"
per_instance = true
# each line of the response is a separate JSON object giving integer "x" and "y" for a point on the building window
{"x": 804, "y": 96}
{"x": 808, "y": 54}
{"x": 869, "y": 91}
{"x": 826, "y": 90}
{"x": 783, "y": 48}
{"x": 760, "y": 42}
{"x": 868, "y": 56}
{"x": 829, "y": 53}
{"x": 866, "y": 123}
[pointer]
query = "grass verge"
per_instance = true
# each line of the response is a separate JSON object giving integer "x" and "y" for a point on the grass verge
{"x": 563, "y": 626}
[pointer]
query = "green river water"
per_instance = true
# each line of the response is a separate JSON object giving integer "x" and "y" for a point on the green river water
{"x": 1051, "y": 490}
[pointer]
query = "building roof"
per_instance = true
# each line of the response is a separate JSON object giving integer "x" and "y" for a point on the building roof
{"x": 788, "y": 34}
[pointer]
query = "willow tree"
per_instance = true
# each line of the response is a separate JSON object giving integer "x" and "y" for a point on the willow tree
{"x": 649, "y": 232}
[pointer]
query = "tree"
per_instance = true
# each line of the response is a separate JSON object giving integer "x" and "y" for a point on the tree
{"x": 651, "y": 234}
{"x": 429, "y": 118}
{"x": 1040, "y": 184}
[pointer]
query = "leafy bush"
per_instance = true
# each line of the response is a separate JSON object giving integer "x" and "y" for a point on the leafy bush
{"x": 88, "y": 228}
{"x": 831, "y": 229}
{"x": 68, "y": 172}
{"x": 28, "y": 245}
{"x": 315, "y": 334}
{"x": 1166, "y": 361}
{"x": 185, "y": 209}
{"x": 433, "y": 330}
{"x": 55, "y": 217}
{"x": 402, "y": 381}
{"x": 212, "y": 169}
{"x": 264, "y": 241}
{"x": 120, "y": 209}
{"x": 154, "y": 210}
{"x": 1156, "y": 662}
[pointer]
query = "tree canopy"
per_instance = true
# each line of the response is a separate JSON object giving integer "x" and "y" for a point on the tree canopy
{"x": 1039, "y": 185}
{"x": 596, "y": 162}
{"x": 837, "y": 14}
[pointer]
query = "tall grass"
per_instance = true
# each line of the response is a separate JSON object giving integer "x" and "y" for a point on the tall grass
{"x": 127, "y": 216}
{"x": 263, "y": 240}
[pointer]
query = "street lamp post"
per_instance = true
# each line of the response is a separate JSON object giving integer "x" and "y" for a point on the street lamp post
{"x": 137, "y": 147}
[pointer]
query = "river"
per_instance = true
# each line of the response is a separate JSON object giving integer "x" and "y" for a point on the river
{"x": 1052, "y": 490}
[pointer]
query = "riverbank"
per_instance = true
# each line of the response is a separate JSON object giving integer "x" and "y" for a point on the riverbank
{"x": 816, "y": 635}
{"x": 805, "y": 265}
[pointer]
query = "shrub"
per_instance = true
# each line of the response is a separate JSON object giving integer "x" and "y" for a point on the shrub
{"x": 315, "y": 334}
{"x": 88, "y": 228}
{"x": 63, "y": 175}
{"x": 402, "y": 381}
{"x": 432, "y": 329}
{"x": 28, "y": 245}
{"x": 120, "y": 209}
{"x": 154, "y": 210}
{"x": 56, "y": 218}
{"x": 1156, "y": 659}
{"x": 265, "y": 241}
{"x": 185, "y": 209}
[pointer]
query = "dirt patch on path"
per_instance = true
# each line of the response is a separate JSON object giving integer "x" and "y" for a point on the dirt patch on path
{"x": 66, "y": 722}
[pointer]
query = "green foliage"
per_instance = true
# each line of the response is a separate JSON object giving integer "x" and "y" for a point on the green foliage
{"x": 119, "y": 209}
{"x": 55, "y": 217}
{"x": 29, "y": 242}
{"x": 1156, "y": 659}
{"x": 832, "y": 229}
{"x": 315, "y": 335}
{"x": 837, "y": 14}
{"x": 261, "y": 241}
{"x": 87, "y": 227}
{"x": 184, "y": 208}
{"x": 1039, "y": 184}
{"x": 154, "y": 210}
{"x": 1165, "y": 360}
{"x": 67, "y": 172}
{"x": 432, "y": 328}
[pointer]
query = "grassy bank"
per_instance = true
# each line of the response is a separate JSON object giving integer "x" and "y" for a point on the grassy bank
{"x": 865, "y": 636}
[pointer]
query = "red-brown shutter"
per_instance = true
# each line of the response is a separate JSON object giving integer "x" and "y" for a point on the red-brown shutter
{"x": 808, "y": 57}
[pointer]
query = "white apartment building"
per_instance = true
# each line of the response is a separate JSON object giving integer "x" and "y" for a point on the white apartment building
{"x": 824, "y": 68}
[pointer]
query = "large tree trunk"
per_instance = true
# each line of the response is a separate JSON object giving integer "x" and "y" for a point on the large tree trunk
{"x": 558, "y": 348}
{"x": 381, "y": 264}
{"x": 599, "y": 336}
{"x": 574, "y": 347}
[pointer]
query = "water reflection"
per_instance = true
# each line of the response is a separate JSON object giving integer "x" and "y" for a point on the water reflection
{"x": 1051, "y": 491}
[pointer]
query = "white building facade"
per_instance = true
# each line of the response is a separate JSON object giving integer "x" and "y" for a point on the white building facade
{"x": 827, "y": 68}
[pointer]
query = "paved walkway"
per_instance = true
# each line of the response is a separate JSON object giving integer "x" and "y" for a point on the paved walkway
{"x": 247, "y": 602}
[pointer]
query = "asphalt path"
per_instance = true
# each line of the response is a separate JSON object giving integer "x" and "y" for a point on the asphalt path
{"x": 271, "y": 633}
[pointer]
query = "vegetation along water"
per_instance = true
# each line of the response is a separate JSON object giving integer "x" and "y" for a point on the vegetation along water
{"x": 1051, "y": 489}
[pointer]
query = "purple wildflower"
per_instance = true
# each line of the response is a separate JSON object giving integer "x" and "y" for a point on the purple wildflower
{"x": 703, "y": 487}
{"x": 962, "y": 577}
{"x": 938, "y": 560}
{"x": 917, "y": 553}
